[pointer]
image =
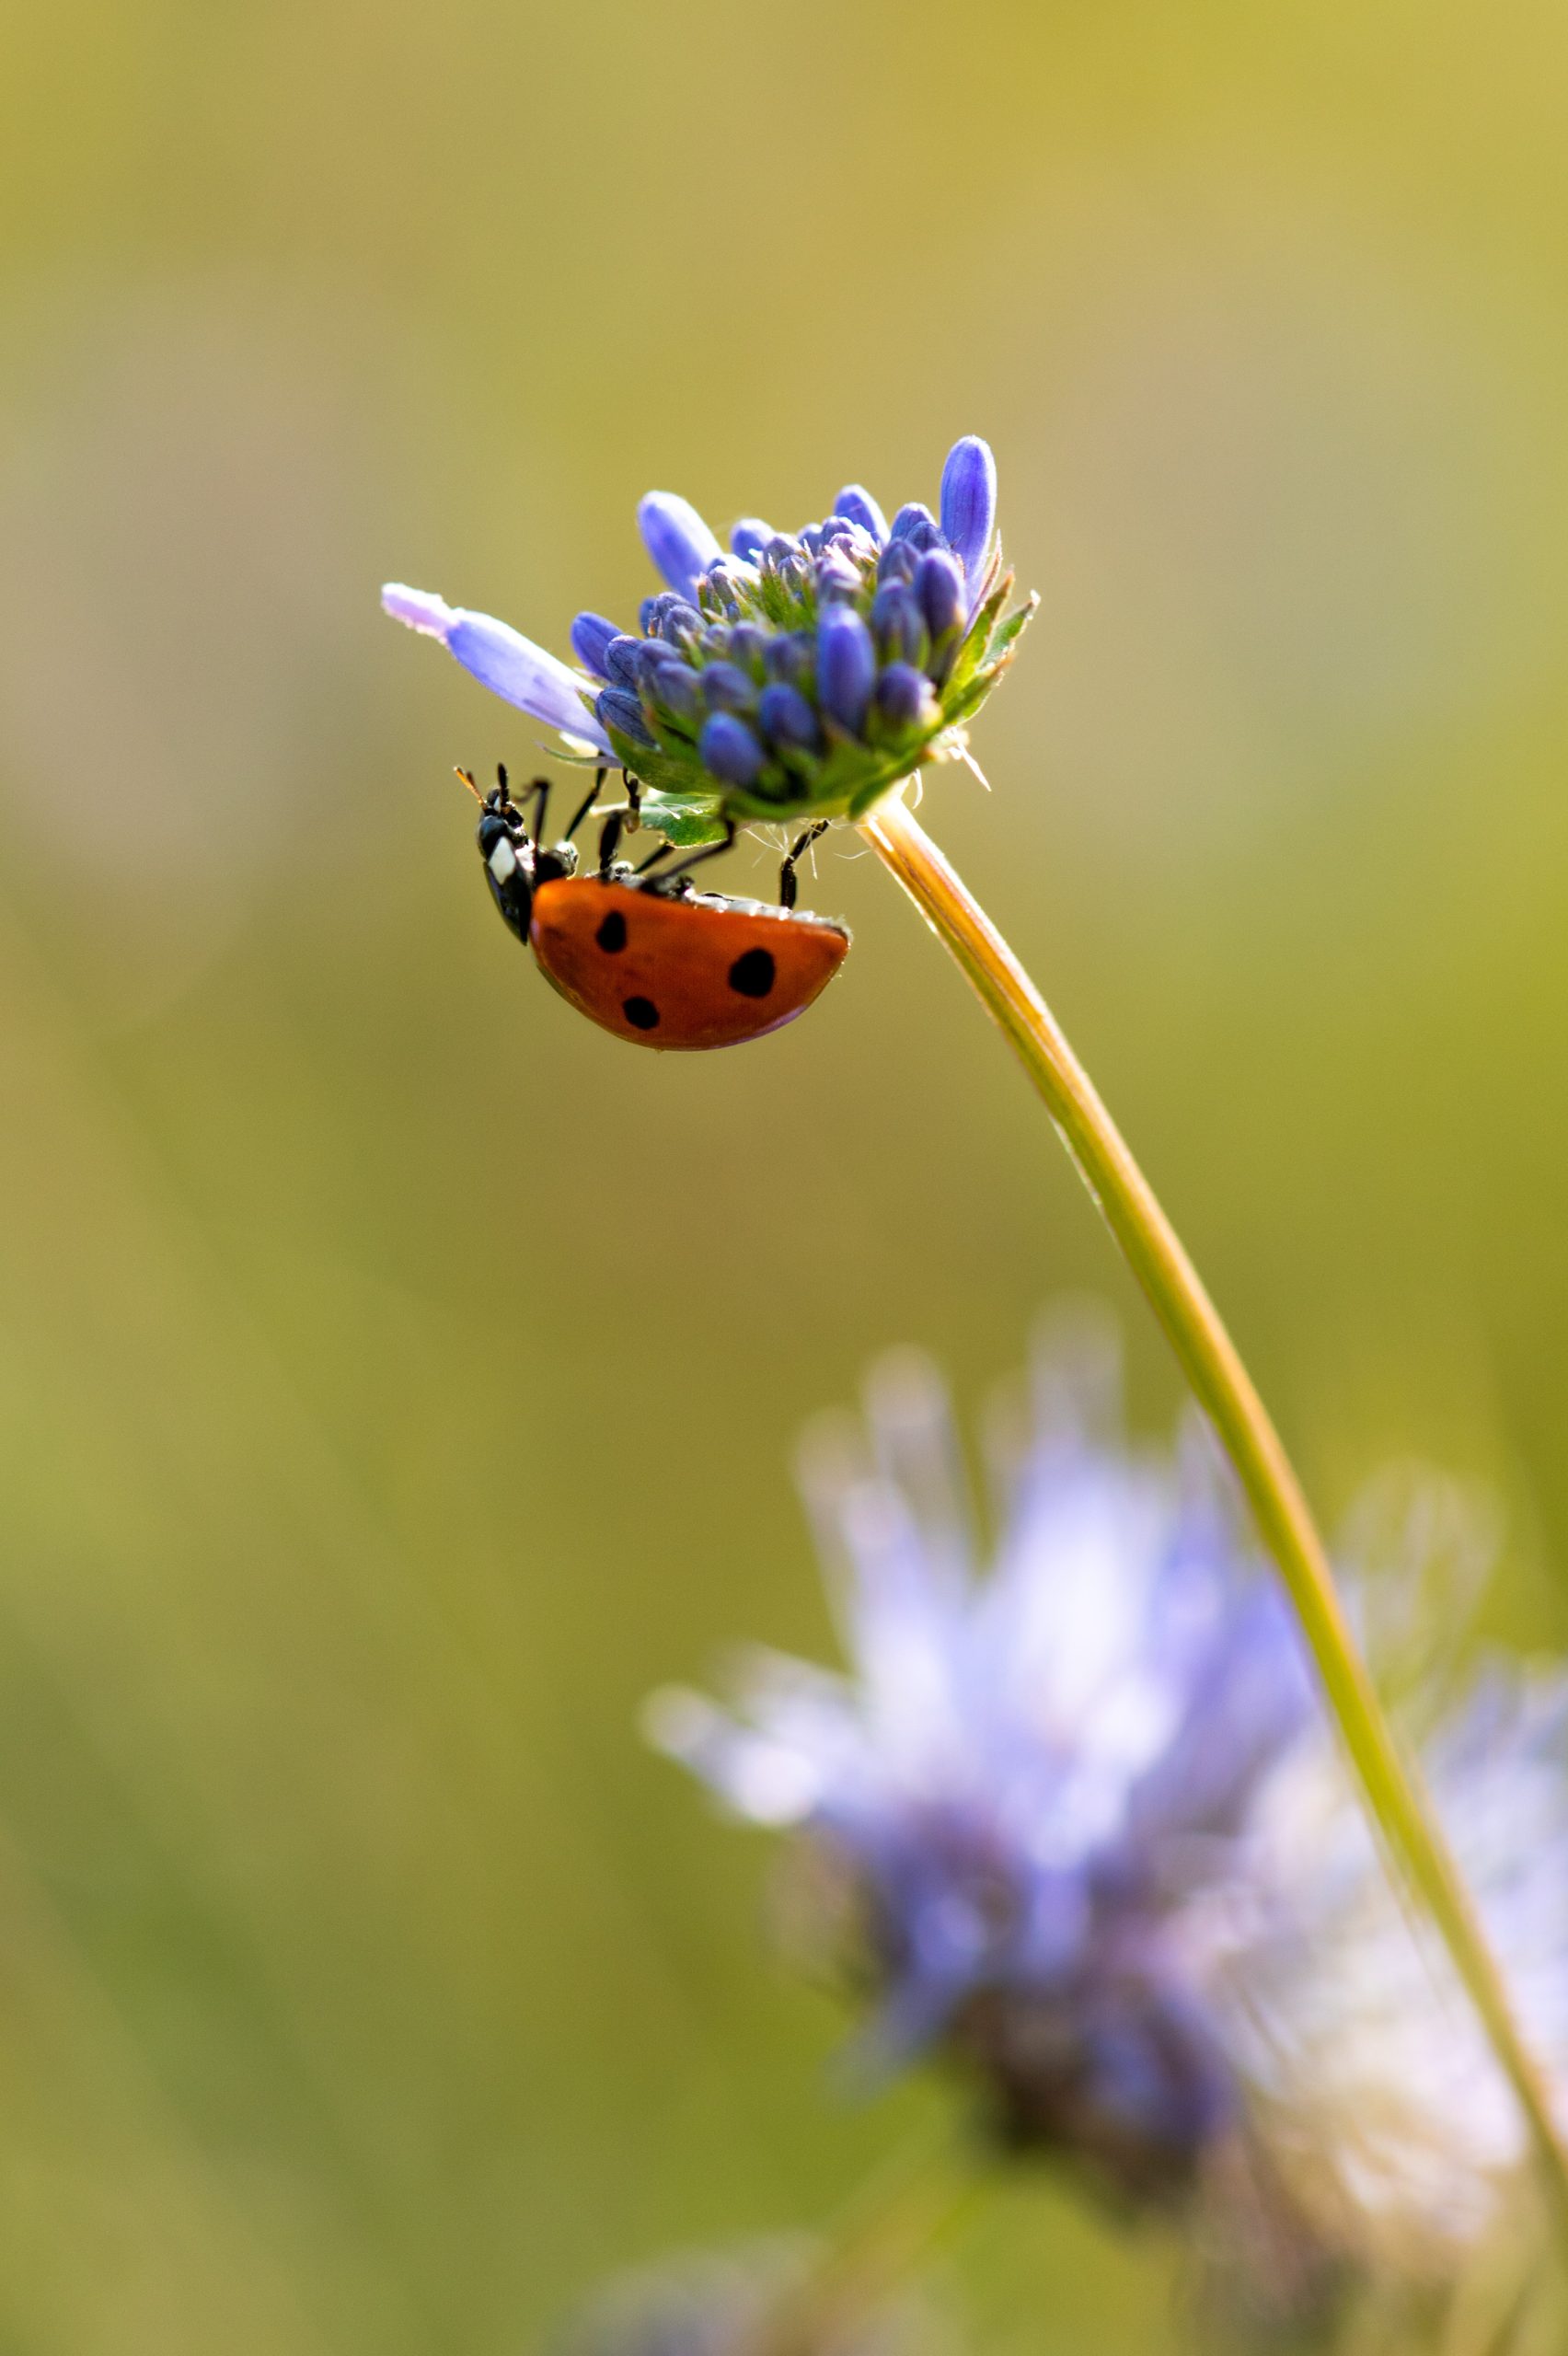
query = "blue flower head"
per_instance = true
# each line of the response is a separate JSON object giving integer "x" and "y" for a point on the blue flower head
{"x": 1080, "y": 1827}
{"x": 1033, "y": 1790}
{"x": 795, "y": 673}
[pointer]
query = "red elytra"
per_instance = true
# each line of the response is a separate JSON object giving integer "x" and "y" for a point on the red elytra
{"x": 684, "y": 972}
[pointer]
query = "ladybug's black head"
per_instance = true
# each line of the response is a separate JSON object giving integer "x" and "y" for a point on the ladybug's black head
{"x": 508, "y": 856}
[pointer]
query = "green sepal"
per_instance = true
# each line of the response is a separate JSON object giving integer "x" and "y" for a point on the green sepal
{"x": 976, "y": 644}
{"x": 654, "y": 767}
{"x": 1002, "y": 641}
{"x": 687, "y": 823}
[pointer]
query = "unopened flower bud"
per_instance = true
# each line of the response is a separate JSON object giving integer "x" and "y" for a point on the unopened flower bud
{"x": 618, "y": 709}
{"x": 730, "y": 750}
{"x": 623, "y": 661}
{"x": 916, "y": 523}
{"x": 728, "y": 687}
{"x": 591, "y": 634}
{"x": 787, "y": 720}
{"x": 748, "y": 648}
{"x": 897, "y": 624}
{"x": 676, "y": 689}
{"x": 679, "y": 623}
{"x": 836, "y": 578}
{"x": 847, "y": 664}
{"x": 857, "y": 504}
{"x": 968, "y": 501}
{"x": 939, "y": 588}
{"x": 904, "y": 698}
{"x": 791, "y": 658}
{"x": 678, "y": 539}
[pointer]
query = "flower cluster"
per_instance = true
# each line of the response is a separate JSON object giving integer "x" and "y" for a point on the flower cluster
{"x": 794, "y": 673}
{"x": 1029, "y": 1801}
{"x": 1080, "y": 1828}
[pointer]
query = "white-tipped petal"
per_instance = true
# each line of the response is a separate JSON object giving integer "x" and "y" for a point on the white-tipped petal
{"x": 420, "y": 609}
{"x": 501, "y": 659}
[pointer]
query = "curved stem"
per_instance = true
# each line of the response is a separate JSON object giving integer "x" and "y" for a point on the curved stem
{"x": 1209, "y": 1359}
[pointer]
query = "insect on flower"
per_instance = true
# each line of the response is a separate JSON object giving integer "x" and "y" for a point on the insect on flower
{"x": 639, "y": 950}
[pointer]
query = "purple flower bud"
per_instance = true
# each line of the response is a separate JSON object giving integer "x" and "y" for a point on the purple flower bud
{"x": 679, "y": 623}
{"x": 620, "y": 709}
{"x": 859, "y": 506}
{"x": 916, "y": 522}
{"x": 897, "y": 624}
{"x": 939, "y": 587}
{"x": 591, "y": 634}
{"x": 622, "y": 663}
{"x": 676, "y": 539}
{"x": 750, "y": 536}
{"x": 727, "y": 689}
{"x": 729, "y": 750}
{"x": 748, "y": 647}
{"x": 787, "y": 720}
{"x": 809, "y": 537}
{"x": 648, "y": 612}
{"x": 969, "y": 503}
{"x": 836, "y": 578}
{"x": 652, "y": 656}
{"x": 716, "y": 641}
{"x": 677, "y": 691}
{"x": 782, "y": 546}
{"x": 791, "y": 658}
{"x": 897, "y": 561}
{"x": 845, "y": 666}
{"x": 904, "y": 698}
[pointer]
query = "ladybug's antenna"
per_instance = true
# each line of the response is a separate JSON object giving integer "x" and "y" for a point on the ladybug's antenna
{"x": 467, "y": 778}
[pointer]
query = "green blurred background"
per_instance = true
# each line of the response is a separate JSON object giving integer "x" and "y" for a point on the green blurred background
{"x": 400, "y": 1376}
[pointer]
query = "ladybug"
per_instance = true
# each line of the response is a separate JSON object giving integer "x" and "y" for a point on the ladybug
{"x": 640, "y": 949}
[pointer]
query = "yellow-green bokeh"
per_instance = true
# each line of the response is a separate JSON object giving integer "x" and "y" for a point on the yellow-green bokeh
{"x": 397, "y": 1376}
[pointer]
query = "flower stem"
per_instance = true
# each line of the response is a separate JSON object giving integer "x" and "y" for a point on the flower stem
{"x": 874, "y": 2250}
{"x": 1209, "y": 1359}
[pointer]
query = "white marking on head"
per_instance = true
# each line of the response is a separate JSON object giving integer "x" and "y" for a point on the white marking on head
{"x": 503, "y": 862}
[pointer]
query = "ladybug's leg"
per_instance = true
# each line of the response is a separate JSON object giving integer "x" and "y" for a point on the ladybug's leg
{"x": 788, "y": 883}
{"x": 599, "y": 777}
{"x": 610, "y": 841}
{"x": 696, "y": 857}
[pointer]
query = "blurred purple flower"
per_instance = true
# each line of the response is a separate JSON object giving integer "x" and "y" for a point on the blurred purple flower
{"x": 1081, "y": 1829}
{"x": 745, "y": 2302}
{"x": 1032, "y": 1786}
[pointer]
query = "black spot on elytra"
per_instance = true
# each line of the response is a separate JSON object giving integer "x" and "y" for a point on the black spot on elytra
{"x": 641, "y": 1012}
{"x": 611, "y": 935}
{"x": 752, "y": 973}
